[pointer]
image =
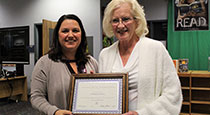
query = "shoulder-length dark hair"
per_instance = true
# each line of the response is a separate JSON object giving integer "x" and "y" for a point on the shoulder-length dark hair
{"x": 56, "y": 53}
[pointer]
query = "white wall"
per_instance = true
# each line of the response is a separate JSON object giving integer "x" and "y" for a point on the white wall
{"x": 155, "y": 9}
{"x": 28, "y": 12}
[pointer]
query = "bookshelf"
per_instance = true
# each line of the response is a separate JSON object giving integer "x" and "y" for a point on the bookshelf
{"x": 196, "y": 92}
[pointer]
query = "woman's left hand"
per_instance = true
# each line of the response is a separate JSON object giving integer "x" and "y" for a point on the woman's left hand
{"x": 130, "y": 113}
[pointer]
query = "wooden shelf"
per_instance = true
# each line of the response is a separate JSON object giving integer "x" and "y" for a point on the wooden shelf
{"x": 200, "y": 102}
{"x": 200, "y": 88}
{"x": 185, "y": 74}
{"x": 196, "y": 91}
{"x": 198, "y": 114}
{"x": 200, "y": 74}
{"x": 13, "y": 78}
{"x": 184, "y": 113}
{"x": 16, "y": 86}
{"x": 185, "y": 87}
{"x": 186, "y": 103}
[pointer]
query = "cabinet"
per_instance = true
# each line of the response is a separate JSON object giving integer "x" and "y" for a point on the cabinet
{"x": 158, "y": 29}
{"x": 16, "y": 86}
{"x": 15, "y": 44}
{"x": 196, "y": 92}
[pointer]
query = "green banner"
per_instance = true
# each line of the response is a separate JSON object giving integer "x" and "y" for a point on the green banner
{"x": 193, "y": 45}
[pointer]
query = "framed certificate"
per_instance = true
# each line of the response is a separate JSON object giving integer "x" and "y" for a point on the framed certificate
{"x": 99, "y": 94}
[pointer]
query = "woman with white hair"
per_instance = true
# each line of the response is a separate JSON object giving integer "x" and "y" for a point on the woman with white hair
{"x": 154, "y": 86}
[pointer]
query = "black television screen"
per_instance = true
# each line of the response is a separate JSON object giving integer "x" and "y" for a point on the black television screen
{"x": 15, "y": 44}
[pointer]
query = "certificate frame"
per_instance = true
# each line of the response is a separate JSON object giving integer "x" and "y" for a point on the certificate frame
{"x": 108, "y": 92}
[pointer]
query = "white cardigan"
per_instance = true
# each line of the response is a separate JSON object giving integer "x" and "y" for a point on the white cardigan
{"x": 159, "y": 89}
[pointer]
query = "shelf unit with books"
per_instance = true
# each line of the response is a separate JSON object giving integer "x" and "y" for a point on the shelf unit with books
{"x": 196, "y": 92}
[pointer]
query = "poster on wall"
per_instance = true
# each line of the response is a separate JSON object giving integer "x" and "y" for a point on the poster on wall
{"x": 191, "y": 15}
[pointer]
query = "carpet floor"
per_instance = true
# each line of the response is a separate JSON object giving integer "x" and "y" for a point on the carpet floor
{"x": 11, "y": 107}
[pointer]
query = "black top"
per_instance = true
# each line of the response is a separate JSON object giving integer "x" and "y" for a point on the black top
{"x": 81, "y": 68}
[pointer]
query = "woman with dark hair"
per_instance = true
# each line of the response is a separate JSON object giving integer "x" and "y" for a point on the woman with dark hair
{"x": 51, "y": 75}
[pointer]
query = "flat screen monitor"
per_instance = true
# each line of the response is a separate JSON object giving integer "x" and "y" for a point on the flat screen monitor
{"x": 15, "y": 45}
